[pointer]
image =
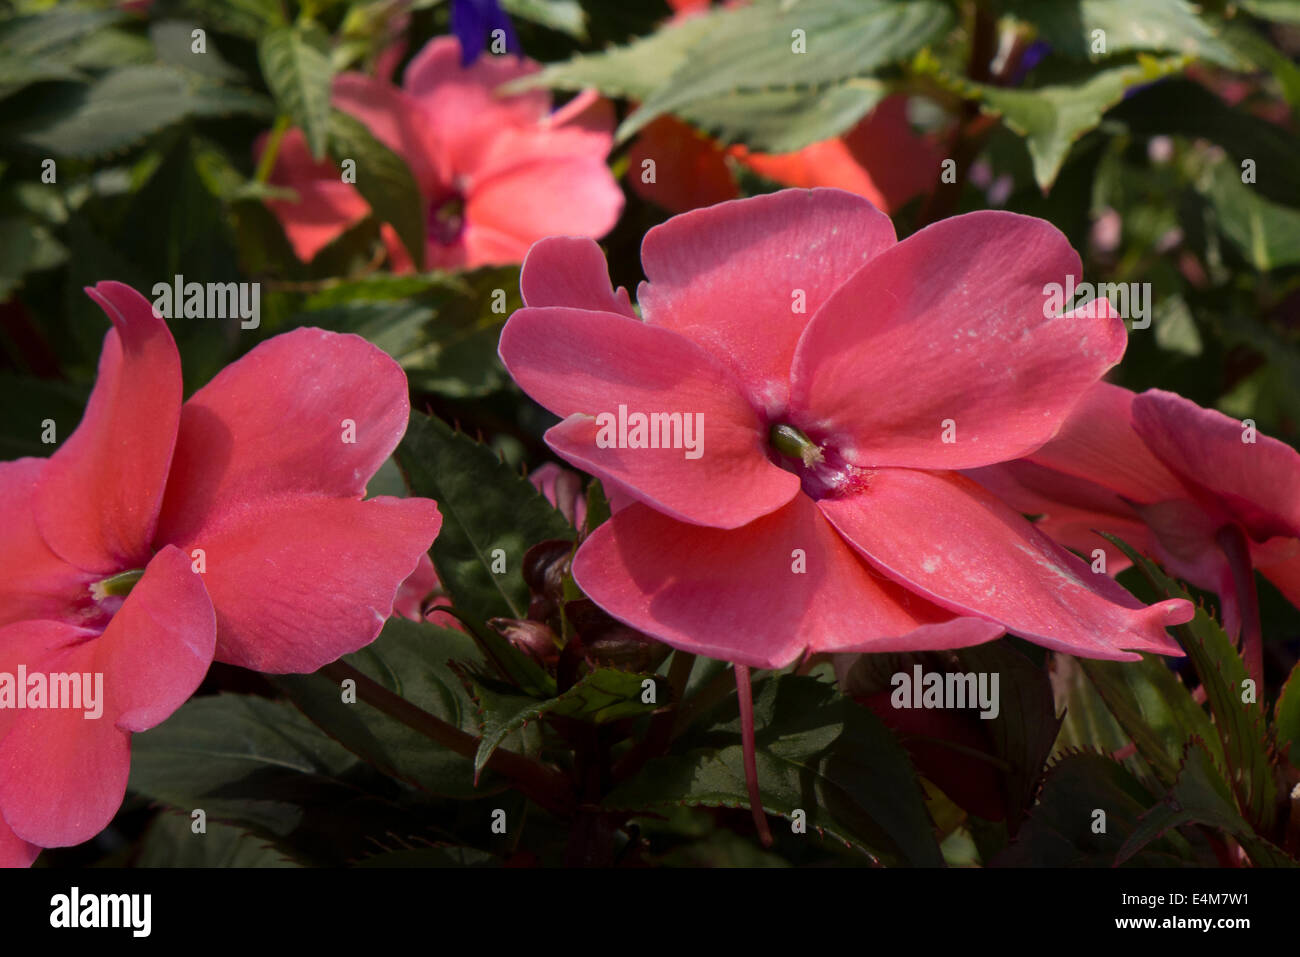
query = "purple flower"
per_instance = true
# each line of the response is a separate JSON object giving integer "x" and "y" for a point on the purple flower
{"x": 473, "y": 21}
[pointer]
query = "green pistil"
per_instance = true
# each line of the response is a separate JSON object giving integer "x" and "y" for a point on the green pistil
{"x": 116, "y": 585}
{"x": 793, "y": 444}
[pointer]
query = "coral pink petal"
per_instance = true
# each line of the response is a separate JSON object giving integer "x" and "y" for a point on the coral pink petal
{"x": 738, "y": 594}
{"x": 156, "y": 650}
{"x": 1257, "y": 482}
{"x": 690, "y": 170}
{"x": 546, "y": 195}
{"x": 1097, "y": 442}
{"x": 948, "y": 538}
{"x": 297, "y": 581}
{"x": 571, "y": 271}
{"x": 306, "y": 412}
{"x": 326, "y": 206}
{"x": 743, "y": 278}
{"x": 34, "y": 582}
{"x": 64, "y": 774}
{"x": 397, "y": 120}
{"x": 98, "y": 499}
{"x": 14, "y": 851}
{"x": 585, "y": 365}
{"x": 464, "y": 109}
{"x": 943, "y": 337}
{"x": 410, "y": 597}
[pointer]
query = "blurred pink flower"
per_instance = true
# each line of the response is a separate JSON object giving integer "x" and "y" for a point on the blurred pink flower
{"x": 495, "y": 172}
{"x": 823, "y": 512}
{"x": 161, "y": 535}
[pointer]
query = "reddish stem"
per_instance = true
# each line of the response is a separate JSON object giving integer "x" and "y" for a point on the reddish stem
{"x": 746, "y": 695}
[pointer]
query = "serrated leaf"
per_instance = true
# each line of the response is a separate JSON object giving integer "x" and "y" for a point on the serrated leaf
{"x": 817, "y": 751}
{"x": 1155, "y": 709}
{"x": 296, "y": 66}
{"x": 52, "y": 30}
{"x": 1160, "y": 26}
{"x": 119, "y": 110}
{"x": 564, "y": 16}
{"x": 1062, "y": 830}
{"x": 383, "y": 179}
{"x": 600, "y": 696}
{"x": 1286, "y": 718}
{"x": 171, "y": 842}
{"x": 1053, "y": 118}
{"x": 239, "y": 758}
{"x": 485, "y": 505}
{"x": 1241, "y": 727}
{"x": 411, "y": 660}
{"x": 752, "y": 48}
{"x": 1026, "y": 726}
{"x": 1201, "y": 797}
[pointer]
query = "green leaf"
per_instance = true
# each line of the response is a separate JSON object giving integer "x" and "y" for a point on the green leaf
{"x": 752, "y": 48}
{"x": 171, "y": 842}
{"x": 734, "y": 73}
{"x": 485, "y": 506}
{"x": 296, "y": 66}
{"x": 1026, "y": 726}
{"x": 26, "y": 403}
{"x": 239, "y": 758}
{"x": 120, "y": 110}
{"x": 1241, "y": 726}
{"x": 816, "y": 751}
{"x": 1160, "y": 26}
{"x": 1266, "y": 233}
{"x": 598, "y": 510}
{"x": 383, "y": 178}
{"x": 1201, "y": 797}
{"x": 1053, "y": 118}
{"x": 1286, "y": 718}
{"x": 563, "y": 16}
{"x": 1060, "y": 830}
{"x": 600, "y": 696}
{"x": 1283, "y": 11}
{"x": 411, "y": 660}
{"x": 1155, "y": 709}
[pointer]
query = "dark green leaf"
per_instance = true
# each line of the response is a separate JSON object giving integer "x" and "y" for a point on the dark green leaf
{"x": 383, "y": 178}
{"x": 1201, "y": 797}
{"x": 485, "y": 506}
{"x": 816, "y": 751}
{"x": 409, "y": 659}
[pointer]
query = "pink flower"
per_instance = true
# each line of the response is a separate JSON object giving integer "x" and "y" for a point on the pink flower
{"x": 822, "y": 363}
{"x": 1178, "y": 482}
{"x": 495, "y": 172}
{"x": 161, "y": 535}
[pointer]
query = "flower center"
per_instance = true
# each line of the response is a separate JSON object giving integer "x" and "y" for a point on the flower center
{"x": 446, "y": 218}
{"x": 824, "y": 472}
{"x": 116, "y": 586}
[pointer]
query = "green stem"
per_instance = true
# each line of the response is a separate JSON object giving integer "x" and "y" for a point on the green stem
{"x": 267, "y": 161}
{"x": 545, "y": 787}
